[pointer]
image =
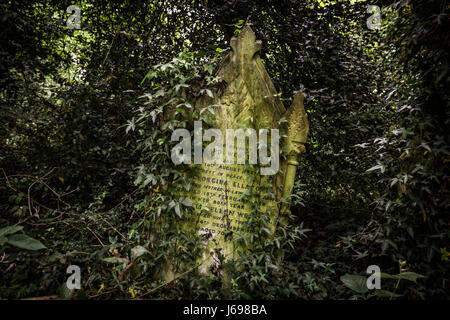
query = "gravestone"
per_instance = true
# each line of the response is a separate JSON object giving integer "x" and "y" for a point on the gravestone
{"x": 218, "y": 190}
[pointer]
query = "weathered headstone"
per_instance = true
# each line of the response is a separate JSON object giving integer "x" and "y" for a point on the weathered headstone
{"x": 218, "y": 190}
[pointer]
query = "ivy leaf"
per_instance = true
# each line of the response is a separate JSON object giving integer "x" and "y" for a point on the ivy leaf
{"x": 208, "y": 92}
{"x": 178, "y": 86}
{"x": 385, "y": 294}
{"x": 377, "y": 167}
{"x": 131, "y": 125}
{"x": 9, "y": 230}
{"x": 187, "y": 203}
{"x": 178, "y": 210}
{"x": 172, "y": 204}
{"x": 384, "y": 275}
{"x": 355, "y": 282}
{"x": 209, "y": 68}
{"x": 150, "y": 178}
{"x": 3, "y": 240}
{"x": 25, "y": 242}
{"x": 150, "y": 75}
{"x": 411, "y": 276}
{"x": 65, "y": 293}
{"x": 165, "y": 66}
{"x": 138, "y": 251}
{"x": 160, "y": 93}
{"x": 115, "y": 260}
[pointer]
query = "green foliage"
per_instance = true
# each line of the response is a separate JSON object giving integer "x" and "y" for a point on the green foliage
{"x": 359, "y": 283}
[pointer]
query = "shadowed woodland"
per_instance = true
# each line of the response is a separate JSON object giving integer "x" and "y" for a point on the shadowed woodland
{"x": 86, "y": 177}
